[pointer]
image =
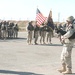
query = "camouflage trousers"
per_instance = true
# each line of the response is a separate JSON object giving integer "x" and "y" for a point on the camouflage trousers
{"x": 3, "y": 34}
{"x": 30, "y": 36}
{"x": 0, "y": 33}
{"x": 66, "y": 54}
{"x": 42, "y": 37}
{"x": 36, "y": 34}
{"x": 15, "y": 33}
{"x": 49, "y": 36}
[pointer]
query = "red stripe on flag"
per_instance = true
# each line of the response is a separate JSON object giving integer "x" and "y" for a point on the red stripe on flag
{"x": 39, "y": 17}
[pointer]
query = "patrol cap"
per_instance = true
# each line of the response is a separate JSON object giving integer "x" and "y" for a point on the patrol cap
{"x": 70, "y": 18}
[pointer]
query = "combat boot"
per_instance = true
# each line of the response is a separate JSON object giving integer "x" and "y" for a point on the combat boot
{"x": 68, "y": 71}
{"x": 63, "y": 69}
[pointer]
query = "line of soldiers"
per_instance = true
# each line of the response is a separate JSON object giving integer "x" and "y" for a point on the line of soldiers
{"x": 8, "y": 30}
{"x": 39, "y": 31}
{"x": 67, "y": 40}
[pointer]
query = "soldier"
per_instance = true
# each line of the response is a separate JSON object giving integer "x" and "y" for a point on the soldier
{"x": 3, "y": 30}
{"x": 67, "y": 47}
{"x": 36, "y": 33}
{"x": 10, "y": 30}
{"x": 0, "y": 28}
{"x": 30, "y": 29}
{"x": 15, "y": 31}
{"x": 42, "y": 34}
{"x": 49, "y": 34}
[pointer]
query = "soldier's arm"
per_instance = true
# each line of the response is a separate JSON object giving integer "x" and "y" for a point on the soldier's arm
{"x": 69, "y": 33}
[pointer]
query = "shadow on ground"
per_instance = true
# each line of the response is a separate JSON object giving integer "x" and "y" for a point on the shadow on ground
{"x": 69, "y": 74}
{"x": 18, "y": 73}
{"x": 13, "y": 39}
{"x": 51, "y": 45}
{"x": 17, "y": 38}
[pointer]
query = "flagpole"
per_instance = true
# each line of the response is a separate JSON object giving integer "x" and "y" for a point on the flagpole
{"x": 36, "y": 10}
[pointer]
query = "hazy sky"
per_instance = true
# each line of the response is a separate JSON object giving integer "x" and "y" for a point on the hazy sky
{"x": 26, "y": 9}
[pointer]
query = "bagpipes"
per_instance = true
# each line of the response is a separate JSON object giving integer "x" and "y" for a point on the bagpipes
{"x": 64, "y": 32}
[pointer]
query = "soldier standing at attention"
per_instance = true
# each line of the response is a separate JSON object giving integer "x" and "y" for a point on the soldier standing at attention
{"x": 15, "y": 30}
{"x": 67, "y": 47}
{"x": 30, "y": 29}
{"x": 0, "y": 29}
{"x": 42, "y": 33}
{"x": 49, "y": 34}
{"x": 36, "y": 33}
{"x": 3, "y": 30}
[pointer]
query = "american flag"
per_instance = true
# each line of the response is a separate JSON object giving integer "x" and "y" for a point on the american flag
{"x": 39, "y": 17}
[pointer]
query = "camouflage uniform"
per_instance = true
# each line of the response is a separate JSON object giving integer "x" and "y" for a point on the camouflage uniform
{"x": 49, "y": 35}
{"x": 3, "y": 31}
{"x": 36, "y": 34}
{"x": 30, "y": 35}
{"x": 15, "y": 31}
{"x": 30, "y": 29}
{"x": 67, "y": 47}
{"x": 42, "y": 34}
{"x": 0, "y": 29}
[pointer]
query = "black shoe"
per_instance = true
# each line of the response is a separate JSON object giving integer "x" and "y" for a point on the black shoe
{"x": 36, "y": 43}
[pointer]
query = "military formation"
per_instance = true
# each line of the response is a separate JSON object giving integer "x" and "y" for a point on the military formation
{"x": 42, "y": 35}
{"x": 35, "y": 31}
{"x": 44, "y": 32}
{"x": 8, "y": 30}
{"x": 66, "y": 34}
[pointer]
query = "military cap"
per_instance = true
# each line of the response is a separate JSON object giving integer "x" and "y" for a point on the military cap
{"x": 70, "y": 18}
